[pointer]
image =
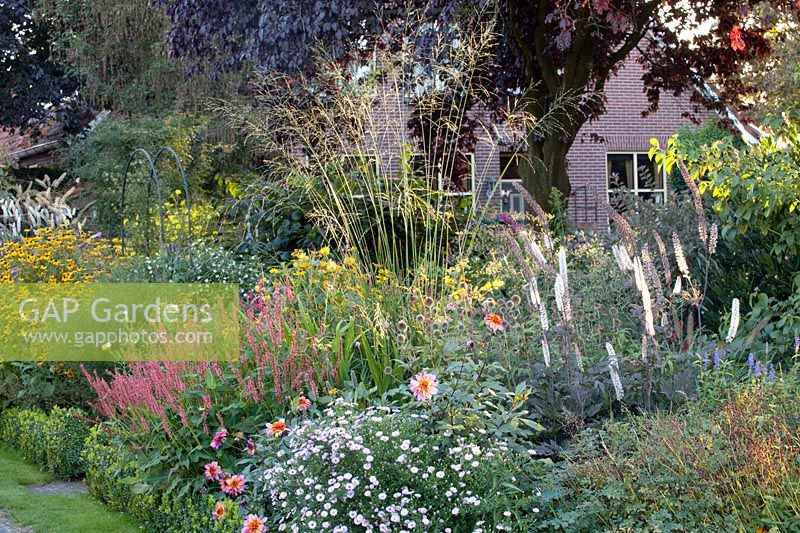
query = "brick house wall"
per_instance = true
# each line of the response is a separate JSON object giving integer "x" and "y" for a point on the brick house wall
{"x": 622, "y": 128}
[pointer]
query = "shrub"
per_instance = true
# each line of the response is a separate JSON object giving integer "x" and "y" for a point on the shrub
{"x": 276, "y": 220}
{"x": 209, "y": 264}
{"x": 53, "y": 441}
{"x": 211, "y": 162}
{"x": 729, "y": 468}
{"x": 44, "y": 385}
{"x": 379, "y": 469}
{"x": 107, "y": 470}
{"x": 194, "y": 514}
{"x": 755, "y": 191}
{"x": 24, "y": 429}
{"x": 64, "y": 438}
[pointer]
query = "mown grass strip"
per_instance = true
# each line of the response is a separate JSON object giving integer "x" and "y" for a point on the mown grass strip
{"x": 59, "y": 513}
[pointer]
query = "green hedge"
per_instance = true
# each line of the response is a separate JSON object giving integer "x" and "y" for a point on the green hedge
{"x": 52, "y": 441}
{"x": 111, "y": 474}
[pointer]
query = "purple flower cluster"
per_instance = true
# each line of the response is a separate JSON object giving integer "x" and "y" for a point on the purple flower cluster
{"x": 760, "y": 371}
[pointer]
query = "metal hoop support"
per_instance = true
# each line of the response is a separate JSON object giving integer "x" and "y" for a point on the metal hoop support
{"x": 155, "y": 180}
{"x": 170, "y": 151}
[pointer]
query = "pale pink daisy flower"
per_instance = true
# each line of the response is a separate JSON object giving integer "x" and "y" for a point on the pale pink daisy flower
{"x": 213, "y": 471}
{"x": 233, "y": 485}
{"x": 424, "y": 386}
{"x": 219, "y": 438}
{"x": 494, "y": 322}
{"x": 254, "y": 524}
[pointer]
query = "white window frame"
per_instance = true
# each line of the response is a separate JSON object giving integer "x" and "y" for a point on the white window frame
{"x": 440, "y": 177}
{"x": 513, "y": 194}
{"x": 636, "y": 189}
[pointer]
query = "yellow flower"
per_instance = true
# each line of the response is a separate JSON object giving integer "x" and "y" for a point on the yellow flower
{"x": 300, "y": 255}
{"x": 324, "y": 251}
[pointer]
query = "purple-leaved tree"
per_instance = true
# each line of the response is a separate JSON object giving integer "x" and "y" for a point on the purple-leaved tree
{"x": 550, "y": 48}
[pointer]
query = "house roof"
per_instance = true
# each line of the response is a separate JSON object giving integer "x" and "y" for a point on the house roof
{"x": 747, "y": 128}
{"x": 17, "y": 147}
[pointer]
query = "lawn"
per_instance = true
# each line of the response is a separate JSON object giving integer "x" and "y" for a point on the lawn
{"x": 62, "y": 513}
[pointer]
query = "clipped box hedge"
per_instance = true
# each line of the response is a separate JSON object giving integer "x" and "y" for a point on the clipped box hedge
{"x": 52, "y": 441}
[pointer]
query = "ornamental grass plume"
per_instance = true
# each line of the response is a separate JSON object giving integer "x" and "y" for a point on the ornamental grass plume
{"x": 613, "y": 370}
{"x": 702, "y": 222}
{"x": 734, "y": 325}
{"x": 680, "y": 257}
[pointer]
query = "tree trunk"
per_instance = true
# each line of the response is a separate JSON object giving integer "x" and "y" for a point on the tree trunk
{"x": 545, "y": 167}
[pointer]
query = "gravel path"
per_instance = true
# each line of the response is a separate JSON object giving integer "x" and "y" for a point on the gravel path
{"x": 60, "y": 487}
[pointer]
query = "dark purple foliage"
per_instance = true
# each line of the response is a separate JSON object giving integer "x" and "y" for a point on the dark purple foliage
{"x": 547, "y": 49}
{"x": 32, "y": 85}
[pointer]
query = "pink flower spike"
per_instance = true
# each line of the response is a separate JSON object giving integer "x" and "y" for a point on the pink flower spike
{"x": 424, "y": 386}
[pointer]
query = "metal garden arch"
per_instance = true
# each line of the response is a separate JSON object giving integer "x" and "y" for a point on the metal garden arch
{"x": 155, "y": 181}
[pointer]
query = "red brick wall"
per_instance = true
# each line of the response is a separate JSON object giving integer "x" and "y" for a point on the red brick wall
{"x": 621, "y": 128}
